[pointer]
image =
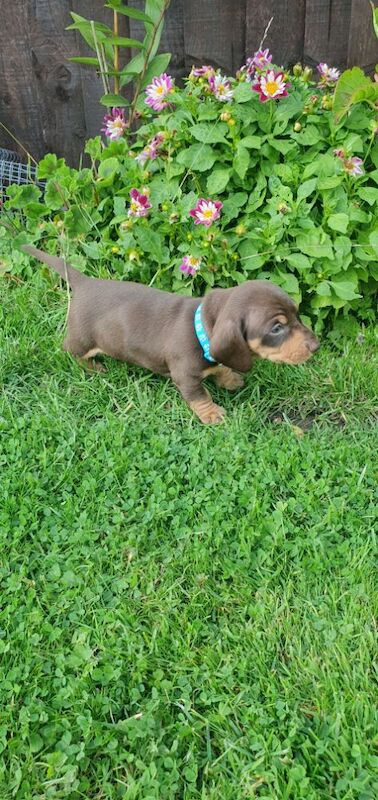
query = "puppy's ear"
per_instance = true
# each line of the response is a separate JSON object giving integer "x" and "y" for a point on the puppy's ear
{"x": 228, "y": 345}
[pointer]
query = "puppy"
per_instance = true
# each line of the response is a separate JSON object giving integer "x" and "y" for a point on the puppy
{"x": 180, "y": 337}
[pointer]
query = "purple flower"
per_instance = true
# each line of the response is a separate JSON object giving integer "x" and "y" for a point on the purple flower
{"x": 115, "y": 124}
{"x": 260, "y": 60}
{"x": 206, "y": 212}
{"x": 202, "y": 72}
{"x": 354, "y": 166}
{"x": 157, "y": 91}
{"x": 140, "y": 205}
{"x": 190, "y": 265}
{"x": 328, "y": 75}
{"x": 221, "y": 88}
{"x": 270, "y": 86}
{"x": 151, "y": 149}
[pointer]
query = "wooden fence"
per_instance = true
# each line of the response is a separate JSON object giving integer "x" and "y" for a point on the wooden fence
{"x": 51, "y": 104}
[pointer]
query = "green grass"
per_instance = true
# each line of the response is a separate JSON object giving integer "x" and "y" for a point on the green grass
{"x": 187, "y": 612}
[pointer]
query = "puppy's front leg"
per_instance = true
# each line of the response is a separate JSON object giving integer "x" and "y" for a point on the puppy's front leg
{"x": 198, "y": 398}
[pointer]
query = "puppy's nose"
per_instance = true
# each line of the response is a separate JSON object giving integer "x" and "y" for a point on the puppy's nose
{"x": 313, "y": 344}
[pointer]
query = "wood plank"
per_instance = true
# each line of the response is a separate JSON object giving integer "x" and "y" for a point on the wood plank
{"x": 327, "y": 32}
{"x": 363, "y": 44}
{"x": 43, "y": 106}
{"x": 286, "y": 33}
{"x": 214, "y": 32}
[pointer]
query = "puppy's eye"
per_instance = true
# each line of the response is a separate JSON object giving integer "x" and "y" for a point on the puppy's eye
{"x": 278, "y": 327}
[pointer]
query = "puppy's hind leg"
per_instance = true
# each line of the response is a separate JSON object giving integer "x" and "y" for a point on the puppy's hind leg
{"x": 84, "y": 355}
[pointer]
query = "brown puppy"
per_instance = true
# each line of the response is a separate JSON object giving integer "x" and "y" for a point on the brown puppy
{"x": 155, "y": 329}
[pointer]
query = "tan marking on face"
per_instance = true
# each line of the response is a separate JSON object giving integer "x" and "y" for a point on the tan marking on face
{"x": 293, "y": 351}
{"x": 225, "y": 377}
{"x": 208, "y": 412}
{"x": 282, "y": 319}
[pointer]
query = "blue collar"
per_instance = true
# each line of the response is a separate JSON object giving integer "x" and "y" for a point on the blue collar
{"x": 202, "y": 335}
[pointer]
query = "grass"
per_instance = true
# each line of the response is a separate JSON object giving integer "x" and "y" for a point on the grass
{"x": 187, "y": 611}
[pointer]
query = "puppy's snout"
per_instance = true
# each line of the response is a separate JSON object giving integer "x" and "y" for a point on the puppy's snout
{"x": 313, "y": 344}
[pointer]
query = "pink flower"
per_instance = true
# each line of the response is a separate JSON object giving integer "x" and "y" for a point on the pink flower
{"x": 151, "y": 149}
{"x": 328, "y": 75}
{"x": 206, "y": 212}
{"x": 354, "y": 166}
{"x": 221, "y": 88}
{"x": 190, "y": 265}
{"x": 140, "y": 205}
{"x": 271, "y": 86}
{"x": 259, "y": 61}
{"x": 115, "y": 124}
{"x": 202, "y": 72}
{"x": 157, "y": 91}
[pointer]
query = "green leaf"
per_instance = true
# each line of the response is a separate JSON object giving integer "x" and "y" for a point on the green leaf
{"x": 338, "y": 222}
{"x": 299, "y": 261}
{"x": 329, "y": 183}
{"x": 315, "y": 243}
{"x": 352, "y": 87}
{"x": 134, "y": 13}
{"x": 114, "y": 101}
{"x": 51, "y": 165}
{"x": 243, "y": 93}
{"x": 90, "y": 62}
{"x": 157, "y": 65}
{"x": 218, "y": 180}
{"x": 197, "y": 157}
{"x": 309, "y": 136}
{"x": 249, "y": 253}
{"x": 108, "y": 168}
{"x": 210, "y": 134}
{"x": 373, "y": 239}
{"x": 251, "y": 142}
{"x": 375, "y": 18}
{"x": 306, "y": 188}
{"x": 241, "y": 161}
{"x": 256, "y": 198}
{"x": 150, "y": 242}
{"x": 282, "y": 145}
{"x": 21, "y": 196}
{"x": 369, "y": 194}
{"x": 233, "y": 204}
{"x": 124, "y": 41}
{"x": 344, "y": 289}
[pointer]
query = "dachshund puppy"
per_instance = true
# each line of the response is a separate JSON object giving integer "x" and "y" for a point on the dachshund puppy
{"x": 181, "y": 337}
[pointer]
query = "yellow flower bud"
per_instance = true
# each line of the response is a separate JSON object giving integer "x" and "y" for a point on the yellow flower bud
{"x": 240, "y": 229}
{"x": 115, "y": 249}
{"x": 225, "y": 116}
{"x": 297, "y": 126}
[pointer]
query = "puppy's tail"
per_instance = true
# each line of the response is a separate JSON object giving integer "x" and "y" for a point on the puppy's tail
{"x": 68, "y": 273}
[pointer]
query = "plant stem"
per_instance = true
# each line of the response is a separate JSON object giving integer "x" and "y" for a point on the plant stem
{"x": 101, "y": 60}
{"x": 145, "y": 65}
{"x": 116, "y": 54}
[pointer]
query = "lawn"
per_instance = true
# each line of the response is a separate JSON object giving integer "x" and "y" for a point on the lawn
{"x": 187, "y": 611}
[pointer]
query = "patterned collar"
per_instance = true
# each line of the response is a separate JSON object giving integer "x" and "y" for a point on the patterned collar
{"x": 202, "y": 335}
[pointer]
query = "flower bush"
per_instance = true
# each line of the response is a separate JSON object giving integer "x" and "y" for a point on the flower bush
{"x": 225, "y": 180}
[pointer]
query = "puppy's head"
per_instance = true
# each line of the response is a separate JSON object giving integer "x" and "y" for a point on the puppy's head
{"x": 256, "y": 319}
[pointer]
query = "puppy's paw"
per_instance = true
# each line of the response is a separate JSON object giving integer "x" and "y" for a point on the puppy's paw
{"x": 230, "y": 380}
{"x": 208, "y": 412}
